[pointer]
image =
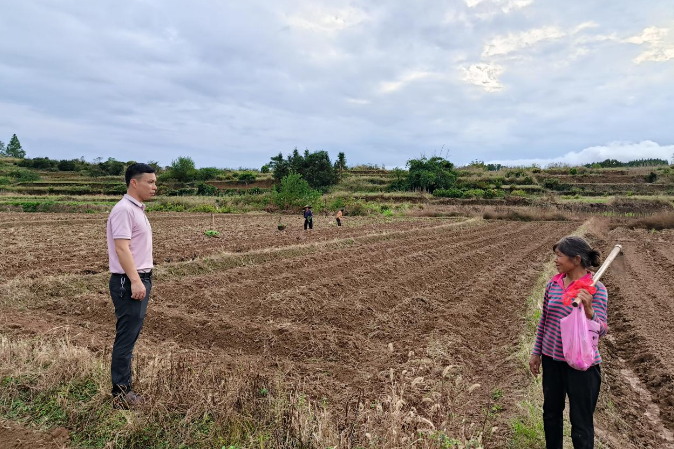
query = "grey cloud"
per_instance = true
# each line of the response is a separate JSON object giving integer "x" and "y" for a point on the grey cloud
{"x": 232, "y": 83}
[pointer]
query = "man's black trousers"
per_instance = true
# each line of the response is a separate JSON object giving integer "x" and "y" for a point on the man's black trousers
{"x": 130, "y": 315}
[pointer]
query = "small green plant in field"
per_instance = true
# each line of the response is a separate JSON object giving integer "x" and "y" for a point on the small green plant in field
{"x": 212, "y": 233}
{"x": 497, "y": 394}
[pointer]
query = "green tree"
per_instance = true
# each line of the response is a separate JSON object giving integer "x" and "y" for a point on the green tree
{"x": 14, "y": 148}
{"x": 112, "y": 167}
{"x": 340, "y": 165}
{"x": 315, "y": 168}
{"x": 318, "y": 170}
{"x": 280, "y": 167}
{"x": 399, "y": 182}
{"x": 156, "y": 166}
{"x": 183, "y": 169}
{"x": 430, "y": 174}
{"x": 67, "y": 165}
{"x": 294, "y": 192}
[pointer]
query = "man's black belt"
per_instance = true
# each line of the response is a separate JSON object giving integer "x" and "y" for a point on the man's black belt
{"x": 146, "y": 276}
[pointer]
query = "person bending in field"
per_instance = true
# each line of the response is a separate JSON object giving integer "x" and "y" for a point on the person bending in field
{"x": 308, "y": 218}
{"x": 338, "y": 217}
{"x": 129, "y": 238}
{"x": 573, "y": 258}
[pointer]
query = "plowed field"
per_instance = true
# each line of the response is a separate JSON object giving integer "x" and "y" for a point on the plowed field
{"x": 375, "y": 310}
{"x": 344, "y": 312}
{"x": 639, "y": 348}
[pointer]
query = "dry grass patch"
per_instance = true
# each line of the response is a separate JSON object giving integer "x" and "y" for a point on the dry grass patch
{"x": 193, "y": 402}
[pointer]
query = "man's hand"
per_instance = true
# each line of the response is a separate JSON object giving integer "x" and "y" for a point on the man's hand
{"x": 138, "y": 290}
{"x": 535, "y": 365}
{"x": 586, "y": 298}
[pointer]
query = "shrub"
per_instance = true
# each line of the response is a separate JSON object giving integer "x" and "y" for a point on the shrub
{"x": 338, "y": 203}
{"x": 358, "y": 208}
{"x": 448, "y": 193}
{"x": 652, "y": 177}
{"x": 294, "y": 192}
{"x": 247, "y": 177}
{"x": 203, "y": 208}
{"x": 552, "y": 184}
{"x": 206, "y": 189}
{"x": 207, "y": 173}
{"x": 518, "y": 192}
{"x": 118, "y": 189}
{"x": 573, "y": 171}
{"x": 493, "y": 193}
{"x": 24, "y": 175}
{"x": 474, "y": 193}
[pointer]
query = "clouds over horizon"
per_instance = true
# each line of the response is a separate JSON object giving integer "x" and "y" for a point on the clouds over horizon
{"x": 620, "y": 151}
{"x": 231, "y": 84}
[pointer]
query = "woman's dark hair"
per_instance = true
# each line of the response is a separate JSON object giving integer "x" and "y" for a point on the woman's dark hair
{"x": 573, "y": 246}
{"x": 135, "y": 170}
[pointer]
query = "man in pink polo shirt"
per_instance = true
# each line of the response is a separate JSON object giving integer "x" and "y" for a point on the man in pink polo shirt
{"x": 130, "y": 252}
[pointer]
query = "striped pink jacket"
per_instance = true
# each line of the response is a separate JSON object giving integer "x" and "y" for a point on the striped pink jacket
{"x": 549, "y": 335}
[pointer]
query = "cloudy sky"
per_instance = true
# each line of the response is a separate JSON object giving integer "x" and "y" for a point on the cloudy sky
{"x": 231, "y": 83}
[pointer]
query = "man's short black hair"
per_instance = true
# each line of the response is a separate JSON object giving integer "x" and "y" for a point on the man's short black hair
{"x": 136, "y": 170}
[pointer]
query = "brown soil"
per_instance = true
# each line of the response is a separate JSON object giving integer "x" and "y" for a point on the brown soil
{"x": 413, "y": 296}
{"x": 15, "y": 436}
{"x": 429, "y": 294}
{"x": 35, "y": 245}
{"x": 637, "y": 408}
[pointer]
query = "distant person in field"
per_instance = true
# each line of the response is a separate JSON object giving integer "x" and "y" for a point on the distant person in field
{"x": 338, "y": 217}
{"x": 129, "y": 238}
{"x": 573, "y": 258}
{"x": 308, "y": 218}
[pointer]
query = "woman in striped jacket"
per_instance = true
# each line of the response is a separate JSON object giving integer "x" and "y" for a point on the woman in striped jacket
{"x": 573, "y": 258}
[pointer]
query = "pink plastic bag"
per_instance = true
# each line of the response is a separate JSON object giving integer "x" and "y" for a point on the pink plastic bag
{"x": 580, "y": 337}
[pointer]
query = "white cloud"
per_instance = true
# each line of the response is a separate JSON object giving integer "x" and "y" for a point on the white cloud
{"x": 622, "y": 151}
{"x": 359, "y": 101}
{"x": 484, "y": 75}
{"x": 650, "y": 35}
{"x": 661, "y": 48}
{"x": 502, "y": 45}
{"x": 585, "y": 25}
{"x": 494, "y": 6}
{"x": 392, "y": 86}
{"x": 318, "y": 19}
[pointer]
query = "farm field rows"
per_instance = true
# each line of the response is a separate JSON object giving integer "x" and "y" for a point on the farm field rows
{"x": 407, "y": 325}
{"x": 639, "y": 354}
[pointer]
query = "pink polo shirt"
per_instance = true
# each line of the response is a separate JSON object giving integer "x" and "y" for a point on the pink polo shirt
{"x": 128, "y": 221}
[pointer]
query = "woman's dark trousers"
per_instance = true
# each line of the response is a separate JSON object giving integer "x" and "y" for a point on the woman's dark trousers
{"x": 559, "y": 379}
